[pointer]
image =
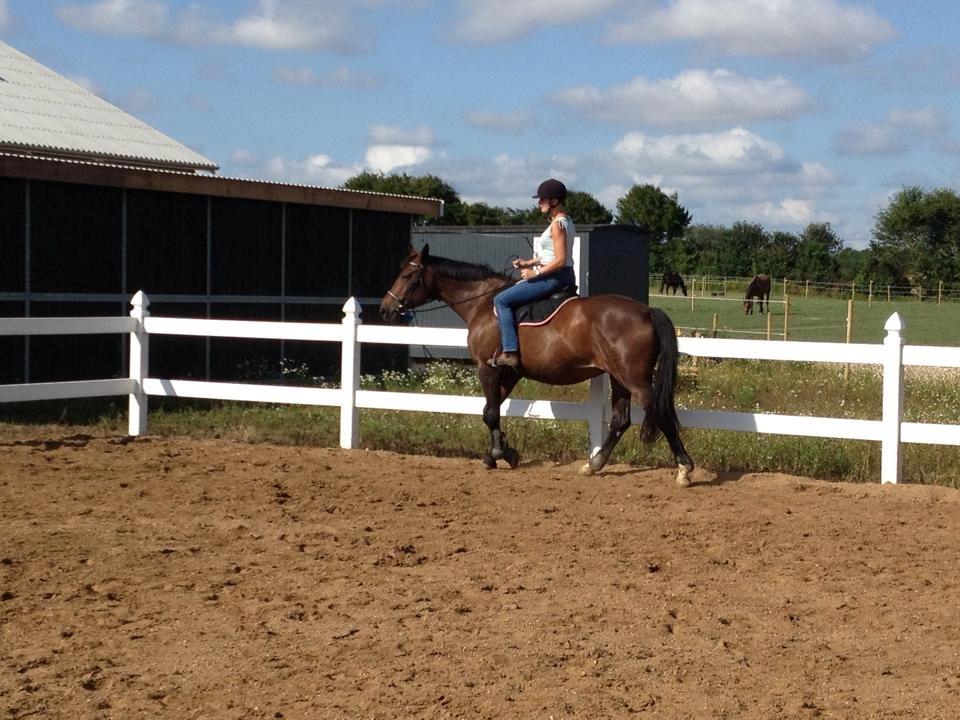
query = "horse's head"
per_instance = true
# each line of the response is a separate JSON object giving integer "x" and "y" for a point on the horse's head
{"x": 411, "y": 288}
{"x": 747, "y": 306}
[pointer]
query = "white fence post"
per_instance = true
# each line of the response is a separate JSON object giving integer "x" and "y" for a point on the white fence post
{"x": 891, "y": 461}
{"x": 139, "y": 365}
{"x": 597, "y": 413}
{"x": 350, "y": 375}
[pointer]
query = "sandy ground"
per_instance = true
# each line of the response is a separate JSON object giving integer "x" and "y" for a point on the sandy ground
{"x": 173, "y": 578}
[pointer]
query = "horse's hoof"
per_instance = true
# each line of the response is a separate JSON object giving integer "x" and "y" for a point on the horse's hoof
{"x": 490, "y": 463}
{"x": 587, "y": 470}
{"x": 512, "y": 456}
{"x": 683, "y": 475}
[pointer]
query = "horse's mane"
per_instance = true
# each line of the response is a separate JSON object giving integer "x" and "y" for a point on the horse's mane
{"x": 460, "y": 270}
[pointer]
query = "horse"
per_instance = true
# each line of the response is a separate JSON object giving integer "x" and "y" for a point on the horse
{"x": 671, "y": 281}
{"x": 634, "y": 344}
{"x": 758, "y": 288}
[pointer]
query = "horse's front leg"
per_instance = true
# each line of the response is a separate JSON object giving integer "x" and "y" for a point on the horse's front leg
{"x": 497, "y": 384}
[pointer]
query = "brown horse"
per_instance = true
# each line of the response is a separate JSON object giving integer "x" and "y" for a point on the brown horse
{"x": 585, "y": 338}
{"x": 758, "y": 288}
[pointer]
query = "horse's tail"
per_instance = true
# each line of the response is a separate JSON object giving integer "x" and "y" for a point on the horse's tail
{"x": 661, "y": 415}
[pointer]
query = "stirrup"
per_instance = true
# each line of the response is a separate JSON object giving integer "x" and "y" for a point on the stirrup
{"x": 506, "y": 359}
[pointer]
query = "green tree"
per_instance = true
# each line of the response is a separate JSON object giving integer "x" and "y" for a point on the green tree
{"x": 585, "y": 209}
{"x": 917, "y": 237}
{"x": 815, "y": 253}
{"x": 661, "y": 215}
{"x": 417, "y": 185}
{"x": 778, "y": 257}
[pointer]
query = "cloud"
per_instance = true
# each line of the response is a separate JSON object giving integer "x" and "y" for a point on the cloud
{"x": 509, "y": 122}
{"x": 817, "y": 29}
{"x": 6, "y": 19}
{"x": 307, "y": 25}
{"x": 340, "y": 77}
{"x": 116, "y": 17}
{"x": 692, "y": 98}
{"x": 318, "y": 170}
{"x": 897, "y": 133}
{"x": 491, "y": 22}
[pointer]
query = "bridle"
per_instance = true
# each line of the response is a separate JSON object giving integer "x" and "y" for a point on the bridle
{"x": 402, "y": 301}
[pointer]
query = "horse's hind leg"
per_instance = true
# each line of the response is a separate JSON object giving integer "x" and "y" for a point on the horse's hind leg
{"x": 619, "y": 424}
{"x": 671, "y": 431}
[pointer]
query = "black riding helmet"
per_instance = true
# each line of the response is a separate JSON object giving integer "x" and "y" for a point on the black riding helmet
{"x": 552, "y": 190}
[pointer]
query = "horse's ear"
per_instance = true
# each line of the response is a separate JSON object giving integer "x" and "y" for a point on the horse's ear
{"x": 425, "y": 251}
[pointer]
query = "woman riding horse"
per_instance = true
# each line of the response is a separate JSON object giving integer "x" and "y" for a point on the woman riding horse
{"x": 635, "y": 344}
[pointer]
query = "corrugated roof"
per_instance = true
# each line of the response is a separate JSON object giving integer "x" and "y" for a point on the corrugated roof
{"x": 43, "y": 112}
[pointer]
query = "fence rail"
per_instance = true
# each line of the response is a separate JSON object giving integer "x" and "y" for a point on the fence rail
{"x": 889, "y": 430}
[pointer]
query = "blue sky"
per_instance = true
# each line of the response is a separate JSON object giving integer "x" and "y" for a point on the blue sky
{"x": 779, "y": 112}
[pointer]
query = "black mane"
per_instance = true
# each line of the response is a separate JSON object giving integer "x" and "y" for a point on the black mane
{"x": 460, "y": 270}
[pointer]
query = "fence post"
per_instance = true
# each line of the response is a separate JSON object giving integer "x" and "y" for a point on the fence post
{"x": 350, "y": 375}
{"x": 597, "y": 418}
{"x": 139, "y": 365}
{"x": 891, "y": 461}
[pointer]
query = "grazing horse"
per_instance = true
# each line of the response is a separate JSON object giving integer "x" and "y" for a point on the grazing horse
{"x": 758, "y": 288}
{"x": 585, "y": 338}
{"x": 671, "y": 281}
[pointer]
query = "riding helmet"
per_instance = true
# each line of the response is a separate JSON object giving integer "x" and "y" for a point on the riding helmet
{"x": 552, "y": 190}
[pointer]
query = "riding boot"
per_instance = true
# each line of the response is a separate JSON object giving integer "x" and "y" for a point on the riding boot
{"x": 507, "y": 359}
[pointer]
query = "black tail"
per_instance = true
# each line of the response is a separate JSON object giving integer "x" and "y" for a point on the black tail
{"x": 660, "y": 411}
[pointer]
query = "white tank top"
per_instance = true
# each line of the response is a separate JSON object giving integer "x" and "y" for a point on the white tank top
{"x": 543, "y": 245}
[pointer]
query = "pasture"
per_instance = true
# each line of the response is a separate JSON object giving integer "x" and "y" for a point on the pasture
{"x": 179, "y": 578}
{"x": 821, "y": 319}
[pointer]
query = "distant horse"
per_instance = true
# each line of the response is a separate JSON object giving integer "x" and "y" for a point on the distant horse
{"x": 585, "y": 338}
{"x": 758, "y": 288}
{"x": 671, "y": 281}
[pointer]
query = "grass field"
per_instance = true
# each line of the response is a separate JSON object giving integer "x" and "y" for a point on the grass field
{"x": 817, "y": 318}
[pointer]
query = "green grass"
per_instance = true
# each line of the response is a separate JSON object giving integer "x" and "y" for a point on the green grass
{"x": 794, "y": 388}
{"x": 819, "y": 319}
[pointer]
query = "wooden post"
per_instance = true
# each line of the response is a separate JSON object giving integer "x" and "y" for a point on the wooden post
{"x": 846, "y": 368}
{"x": 769, "y": 322}
{"x": 713, "y": 329}
{"x": 806, "y": 290}
{"x": 786, "y": 315}
{"x": 693, "y": 291}
{"x": 888, "y": 293}
{"x": 853, "y": 289}
{"x": 940, "y": 292}
{"x": 870, "y": 294}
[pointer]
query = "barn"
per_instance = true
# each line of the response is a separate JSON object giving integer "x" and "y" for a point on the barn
{"x": 96, "y": 205}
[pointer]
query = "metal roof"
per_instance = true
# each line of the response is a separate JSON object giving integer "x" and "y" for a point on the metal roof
{"x": 44, "y": 113}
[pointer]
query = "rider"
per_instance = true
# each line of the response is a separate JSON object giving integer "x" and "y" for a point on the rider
{"x": 550, "y": 269}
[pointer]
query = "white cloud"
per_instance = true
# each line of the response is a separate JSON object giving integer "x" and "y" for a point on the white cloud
{"x": 395, "y": 135}
{"x": 340, "y": 77}
{"x": 490, "y": 22}
{"x": 317, "y": 170}
{"x": 791, "y": 212}
{"x": 692, "y": 98}
{"x": 387, "y": 158}
{"x": 509, "y": 122}
{"x": 309, "y": 25}
{"x": 116, "y": 17}
{"x": 895, "y": 134}
{"x": 820, "y": 29}
{"x": 6, "y": 20}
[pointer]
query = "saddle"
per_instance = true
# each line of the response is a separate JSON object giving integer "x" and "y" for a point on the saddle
{"x": 540, "y": 310}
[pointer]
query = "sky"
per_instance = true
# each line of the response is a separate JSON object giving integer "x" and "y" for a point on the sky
{"x": 776, "y": 112}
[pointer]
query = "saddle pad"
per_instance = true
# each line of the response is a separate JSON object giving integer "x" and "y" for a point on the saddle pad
{"x": 541, "y": 311}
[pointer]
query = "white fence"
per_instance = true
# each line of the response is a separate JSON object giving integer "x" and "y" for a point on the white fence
{"x": 892, "y": 355}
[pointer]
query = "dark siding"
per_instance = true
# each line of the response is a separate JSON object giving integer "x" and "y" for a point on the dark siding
{"x": 166, "y": 243}
{"x": 178, "y": 356}
{"x": 241, "y": 359}
{"x": 12, "y": 224}
{"x": 75, "y": 238}
{"x": 11, "y": 347}
{"x": 245, "y": 252}
{"x": 317, "y": 251}
{"x": 55, "y": 358}
{"x": 379, "y": 244}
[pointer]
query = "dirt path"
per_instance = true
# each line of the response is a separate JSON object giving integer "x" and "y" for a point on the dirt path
{"x": 172, "y": 578}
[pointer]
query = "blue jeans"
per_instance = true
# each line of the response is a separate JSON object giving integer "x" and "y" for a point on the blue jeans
{"x": 522, "y": 293}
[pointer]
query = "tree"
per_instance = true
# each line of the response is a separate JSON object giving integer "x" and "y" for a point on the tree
{"x": 778, "y": 256}
{"x": 815, "y": 253}
{"x": 659, "y": 214}
{"x": 917, "y": 237}
{"x": 585, "y": 209}
{"x": 417, "y": 185}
